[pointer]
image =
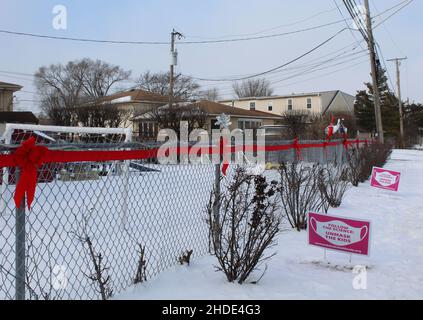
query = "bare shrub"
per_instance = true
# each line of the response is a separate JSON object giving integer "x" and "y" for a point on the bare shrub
{"x": 361, "y": 161}
{"x": 99, "y": 275}
{"x": 333, "y": 183}
{"x": 245, "y": 226}
{"x": 185, "y": 257}
{"x": 300, "y": 192}
{"x": 297, "y": 123}
{"x": 141, "y": 275}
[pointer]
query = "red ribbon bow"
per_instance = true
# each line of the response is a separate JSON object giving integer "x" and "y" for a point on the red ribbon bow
{"x": 28, "y": 157}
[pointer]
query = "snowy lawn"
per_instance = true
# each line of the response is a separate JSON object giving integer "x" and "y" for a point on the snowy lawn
{"x": 298, "y": 271}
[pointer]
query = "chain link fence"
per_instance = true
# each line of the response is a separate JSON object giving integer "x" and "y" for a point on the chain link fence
{"x": 95, "y": 229}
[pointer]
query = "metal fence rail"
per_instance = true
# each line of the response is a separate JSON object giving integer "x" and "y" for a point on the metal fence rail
{"x": 88, "y": 214}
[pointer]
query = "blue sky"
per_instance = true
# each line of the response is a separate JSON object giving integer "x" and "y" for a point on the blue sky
{"x": 148, "y": 20}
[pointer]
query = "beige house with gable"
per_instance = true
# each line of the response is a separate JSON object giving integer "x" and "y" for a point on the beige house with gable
{"x": 316, "y": 103}
{"x": 6, "y": 95}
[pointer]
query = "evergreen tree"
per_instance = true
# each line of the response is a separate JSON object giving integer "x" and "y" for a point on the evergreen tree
{"x": 365, "y": 111}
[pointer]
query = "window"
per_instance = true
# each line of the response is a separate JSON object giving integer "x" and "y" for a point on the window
{"x": 214, "y": 125}
{"x": 270, "y": 106}
{"x": 249, "y": 124}
{"x": 252, "y": 106}
{"x": 309, "y": 105}
{"x": 290, "y": 105}
{"x": 148, "y": 130}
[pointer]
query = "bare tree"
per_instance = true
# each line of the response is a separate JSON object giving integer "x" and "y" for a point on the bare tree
{"x": 252, "y": 88}
{"x": 100, "y": 116}
{"x": 296, "y": 122}
{"x": 171, "y": 118}
{"x": 184, "y": 87}
{"x": 68, "y": 86}
{"x": 210, "y": 95}
{"x": 98, "y": 77}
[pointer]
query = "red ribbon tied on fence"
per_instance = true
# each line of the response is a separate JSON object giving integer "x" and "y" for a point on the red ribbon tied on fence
{"x": 223, "y": 153}
{"x": 297, "y": 149}
{"x": 28, "y": 157}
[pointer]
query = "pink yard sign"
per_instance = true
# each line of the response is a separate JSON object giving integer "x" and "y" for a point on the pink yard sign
{"x": 339, "y": 234}
{"x": 385, "y": 179}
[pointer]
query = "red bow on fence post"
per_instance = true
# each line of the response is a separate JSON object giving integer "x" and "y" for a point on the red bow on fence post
{"x": 28, "y": 158}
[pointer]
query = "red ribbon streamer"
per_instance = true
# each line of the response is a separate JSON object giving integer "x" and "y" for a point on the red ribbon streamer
{"x": 225, "y": 163}
{"x": 297, "y": 149}
{"x": 29, "y": 158}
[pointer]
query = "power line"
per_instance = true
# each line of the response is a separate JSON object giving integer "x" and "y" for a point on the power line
{"x": 325, "y": 74}
{"x": 322, "y": 75}
{"x": 17, "y": 73}
{"x": 389, "y": 33}
{"x": 10, "y": 32}
{"x": 278, "y": 67}
{"x": 18, "y": 78}
{"x": 391, "y": 8}
{"x": 340, "y": 53}
{"x": 351, "y": 9}
{"x": 346, "y": 23}
{"x": 166, "y": 42}
{"x": 266, "y": 30}
{"x": 379, "y": 51}
{"x": 394, "y": 13}
{"x": 313, "y": 68}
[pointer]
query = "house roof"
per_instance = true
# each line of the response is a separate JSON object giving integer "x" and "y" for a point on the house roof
{"x": 328, "y": 97}
{"x": 292, "y": 95}
{"x": 137, "y": 95}
{"x": 18, "y": 117}
{"x": 214, "y": 109}
{"x": 10, "y": 86}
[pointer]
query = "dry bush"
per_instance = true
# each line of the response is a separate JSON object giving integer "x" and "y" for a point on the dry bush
{"x": 185, "y": 257}
{"x": 141, "y": 273}
{"x": 333, "y": 183}
{"x": 361, "y": 161}
{"x": 300, "y": 192}
{"x": 99, "y": 275}
{"x": 245, "y": 226}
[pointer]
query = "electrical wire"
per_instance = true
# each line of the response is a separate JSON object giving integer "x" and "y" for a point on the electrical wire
{"x": 278, "y": 67}
{"x": 265, "y": 30}
{"x": 167, "y": 42}
{"x": 394, "y": 13}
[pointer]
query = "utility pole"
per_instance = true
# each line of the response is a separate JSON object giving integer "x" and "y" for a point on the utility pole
{"x": 398, "y": 63}
{"x": 174, "y": 62}
{"x": 376, "y": 95}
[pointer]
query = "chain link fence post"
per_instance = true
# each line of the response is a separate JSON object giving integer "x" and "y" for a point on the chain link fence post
{"x": 20, "y": 247}
{"x": 322, "y": 154}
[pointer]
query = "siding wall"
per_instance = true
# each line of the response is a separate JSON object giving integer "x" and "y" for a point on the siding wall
{"x": 6, "y": 99}
{"x": 280, "y": 105}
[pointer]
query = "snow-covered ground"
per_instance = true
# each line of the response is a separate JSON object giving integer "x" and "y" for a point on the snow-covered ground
{"x": 298, "y": 271}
